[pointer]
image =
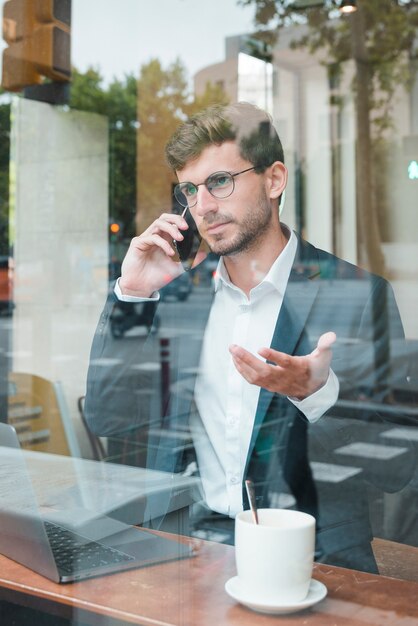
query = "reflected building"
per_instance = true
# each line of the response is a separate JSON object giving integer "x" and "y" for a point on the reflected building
{"x": 314, "y": 113}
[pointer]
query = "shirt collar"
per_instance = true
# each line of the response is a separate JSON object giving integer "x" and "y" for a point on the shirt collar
{"x": 278, "y": 274}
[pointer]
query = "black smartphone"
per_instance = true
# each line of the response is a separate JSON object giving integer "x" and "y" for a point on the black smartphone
{"x": 191, "y": 250}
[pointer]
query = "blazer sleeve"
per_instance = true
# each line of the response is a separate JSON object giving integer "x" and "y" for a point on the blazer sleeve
{"x": 114, "y": 403}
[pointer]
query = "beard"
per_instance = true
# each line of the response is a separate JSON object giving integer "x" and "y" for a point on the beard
{"x": 251, "y": 228}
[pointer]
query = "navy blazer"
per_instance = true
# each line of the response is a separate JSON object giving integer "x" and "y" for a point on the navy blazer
{"x": 323, "y": 293}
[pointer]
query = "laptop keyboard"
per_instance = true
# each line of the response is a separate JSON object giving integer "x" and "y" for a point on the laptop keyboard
{"x": 73, "y": 552}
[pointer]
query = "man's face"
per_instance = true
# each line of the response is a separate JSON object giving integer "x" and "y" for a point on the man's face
{"x": 236, "y": 223}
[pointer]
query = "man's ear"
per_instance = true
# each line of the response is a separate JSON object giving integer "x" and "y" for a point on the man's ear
{"x": 277, "y": 179}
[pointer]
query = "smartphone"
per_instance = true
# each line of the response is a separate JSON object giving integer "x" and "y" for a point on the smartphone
{"x": 191, "y": 250}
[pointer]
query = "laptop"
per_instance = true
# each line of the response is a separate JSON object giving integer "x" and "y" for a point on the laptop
{"x": 102, "y": 546}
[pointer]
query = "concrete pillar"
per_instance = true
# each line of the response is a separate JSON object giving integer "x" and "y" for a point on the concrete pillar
{"x": 59, "y": 216}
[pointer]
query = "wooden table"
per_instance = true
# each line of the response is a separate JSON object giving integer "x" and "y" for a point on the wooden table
{"x": 191, "y": 593}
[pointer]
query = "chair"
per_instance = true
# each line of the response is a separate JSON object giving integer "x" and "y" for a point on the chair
{"x": 396, "y": 560}
{"x": 38, "y": 411}
{"x": 124, "y": 449}
{"x": 97, "y": 448}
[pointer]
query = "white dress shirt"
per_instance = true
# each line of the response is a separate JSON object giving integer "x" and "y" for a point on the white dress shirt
{"x": 226, "y": 402}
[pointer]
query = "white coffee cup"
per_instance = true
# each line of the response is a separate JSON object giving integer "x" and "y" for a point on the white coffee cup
{"x": 274, "y": 558}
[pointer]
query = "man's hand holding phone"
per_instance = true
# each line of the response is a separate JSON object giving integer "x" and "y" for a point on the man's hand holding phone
{"x": 151, "y": 261}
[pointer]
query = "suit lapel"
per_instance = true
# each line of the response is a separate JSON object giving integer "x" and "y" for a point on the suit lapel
{"x": 288, "y": 335}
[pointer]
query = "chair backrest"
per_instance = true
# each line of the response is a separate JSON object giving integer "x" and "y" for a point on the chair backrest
{"x": 396, "y": 560}
{"x": 39, "y": 413}
{"x": 97, "y": 448}
{"x": 128, "y": 449}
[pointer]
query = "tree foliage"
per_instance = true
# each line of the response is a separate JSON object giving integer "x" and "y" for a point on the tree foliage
{"x": 379, "y": 37}
{"x": 143, "y": 112}
{"x": 164, "y": 100}
{"x": 388, "y": 28}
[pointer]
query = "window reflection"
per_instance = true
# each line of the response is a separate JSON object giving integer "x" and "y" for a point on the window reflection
{"x": 81, "y": 178}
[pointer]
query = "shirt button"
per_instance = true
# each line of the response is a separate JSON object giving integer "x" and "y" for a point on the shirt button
{"x": 233, "y": 480}
{"x": 231, "y": 421}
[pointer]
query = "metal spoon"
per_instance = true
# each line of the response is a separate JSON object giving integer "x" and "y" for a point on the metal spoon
{"x": 249, "y": 485}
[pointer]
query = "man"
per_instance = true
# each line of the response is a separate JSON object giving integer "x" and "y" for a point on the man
{"x": 261, "y": 403}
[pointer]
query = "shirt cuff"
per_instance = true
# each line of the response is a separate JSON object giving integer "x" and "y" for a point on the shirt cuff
{"x": 154, "y": 297}
{"x": 314, "y": 406}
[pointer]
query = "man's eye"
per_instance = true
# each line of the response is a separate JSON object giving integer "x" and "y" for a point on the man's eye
{"x": 221, "y": 180}
{"x": 188, "y": 190}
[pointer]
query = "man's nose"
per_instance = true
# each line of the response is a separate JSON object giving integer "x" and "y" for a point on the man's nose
{"x": 206, "y": 203}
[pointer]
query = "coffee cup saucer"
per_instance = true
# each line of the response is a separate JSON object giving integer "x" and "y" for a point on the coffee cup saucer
{"x": 317, "y": 592}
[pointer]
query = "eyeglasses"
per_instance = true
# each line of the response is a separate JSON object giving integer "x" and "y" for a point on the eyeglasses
{"x": 219, "y": 185}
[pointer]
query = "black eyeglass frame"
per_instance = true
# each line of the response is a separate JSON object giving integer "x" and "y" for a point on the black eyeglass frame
{"x": 178, "y": 192}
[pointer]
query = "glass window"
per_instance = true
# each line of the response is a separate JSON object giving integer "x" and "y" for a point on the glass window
{"x": 156, "y": 353}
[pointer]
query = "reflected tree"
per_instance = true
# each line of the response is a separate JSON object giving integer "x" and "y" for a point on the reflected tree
{"x": 164, "y": 100}
{"x": 143, "y": 112}
{"x": 379, "y": 37}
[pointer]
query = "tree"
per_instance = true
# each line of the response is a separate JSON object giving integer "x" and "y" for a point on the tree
{"x": 142, "y": 114}
{"x": 164, "y": 100}
{"x": 379, "y": 37}
{"x": 162, "y": 94}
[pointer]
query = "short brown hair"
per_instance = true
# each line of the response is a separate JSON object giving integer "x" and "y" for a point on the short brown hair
{"x": 248, "y": 125}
